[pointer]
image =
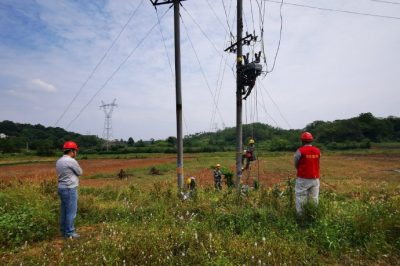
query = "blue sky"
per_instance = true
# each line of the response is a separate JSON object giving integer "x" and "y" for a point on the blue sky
{"x": 330, "y": 65}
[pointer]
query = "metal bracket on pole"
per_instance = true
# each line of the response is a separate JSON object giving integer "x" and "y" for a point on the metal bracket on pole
{"x": 243, "y": 41}
{"x": 164, "y": 2}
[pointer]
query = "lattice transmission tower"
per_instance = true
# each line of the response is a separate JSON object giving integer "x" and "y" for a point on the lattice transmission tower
{"x": 108, "y": 131}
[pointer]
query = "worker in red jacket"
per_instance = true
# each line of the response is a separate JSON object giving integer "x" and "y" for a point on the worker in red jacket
{"x": 306, "y": 161}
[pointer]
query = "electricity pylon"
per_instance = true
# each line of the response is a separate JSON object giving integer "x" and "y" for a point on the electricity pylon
{"x": 107, "y": 131}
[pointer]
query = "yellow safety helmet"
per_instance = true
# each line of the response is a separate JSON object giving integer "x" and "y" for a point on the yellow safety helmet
{"x": 251, "y": 141}
{"x": 188, "y": 181}
{"x": 218, "y": 165}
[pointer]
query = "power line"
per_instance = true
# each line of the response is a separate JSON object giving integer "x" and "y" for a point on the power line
{"x": 205, "y": 35}
{"x": 165, "y": 46}
{"x": 335, "y": 10}
{"x": 115, "y": 71}
{"x": 202, "y": 70}
{"x": 252, "y": 15}
{"x": 215, "y": 14}
{"x": 261, "y": 16}
{"x": 280, "y": 38}
{"x": 227, "y": 17}
{"x": 202, "y": 31}
{"x": 245, "y": 22}
{"x": 386, "y": 2}
{"x": 219, "y": 88}
{"x": 99, "y": 63}
{"x": 220, "y": 80}
{"x": 169, "y": 60}
{"x": 265, "y": 108}
{"x": 277, "y": 107}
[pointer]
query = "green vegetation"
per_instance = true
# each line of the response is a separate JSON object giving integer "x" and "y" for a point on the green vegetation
{"x": 155, "y": 227}
{"x": 27, "y": 213}
{"x": 43, "y": 140}
{"x": 142, "y": 221}
{"x": 353, "y": 133}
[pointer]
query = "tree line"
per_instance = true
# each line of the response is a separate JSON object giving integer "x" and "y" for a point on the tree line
{"x": 357, "y": 132}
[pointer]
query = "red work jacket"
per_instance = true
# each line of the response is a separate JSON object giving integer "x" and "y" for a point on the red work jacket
{"x": 309, "y": 162}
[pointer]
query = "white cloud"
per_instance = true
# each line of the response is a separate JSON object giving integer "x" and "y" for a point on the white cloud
{"x": 330, "y": 65}
{"x": 43, "y": 85}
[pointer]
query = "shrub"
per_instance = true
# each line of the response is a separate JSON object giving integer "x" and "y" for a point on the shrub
{"x": 26, "y": 215}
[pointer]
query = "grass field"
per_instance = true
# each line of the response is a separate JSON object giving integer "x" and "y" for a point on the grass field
{"x": 140, "y": 220}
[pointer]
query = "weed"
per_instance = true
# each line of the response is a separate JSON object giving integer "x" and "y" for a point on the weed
{"x": 26, "y": 215}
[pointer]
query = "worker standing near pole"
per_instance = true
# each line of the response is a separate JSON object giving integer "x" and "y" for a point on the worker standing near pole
{"x": 306, "y": 161}
{"x": 68, "y": 172}
{"x": 217, "y": 177}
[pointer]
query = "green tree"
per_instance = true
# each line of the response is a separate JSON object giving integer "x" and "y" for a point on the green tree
{"x": 171, "y": 141}
{"x": 131, "y": 142}
{"x": 45, "y": 148}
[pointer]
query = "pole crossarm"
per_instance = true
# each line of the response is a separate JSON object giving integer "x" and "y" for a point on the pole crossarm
{"x": 165, "y": 2}
{"x": 244, "y": 41}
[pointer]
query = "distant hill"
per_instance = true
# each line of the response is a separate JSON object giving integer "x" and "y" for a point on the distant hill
{"x": 365, "y": 126}
{"x": 357, "y": 132}
{"x": 42, "y": 139}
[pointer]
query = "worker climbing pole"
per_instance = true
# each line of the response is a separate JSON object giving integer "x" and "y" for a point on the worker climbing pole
{"x": 246, "y": 74}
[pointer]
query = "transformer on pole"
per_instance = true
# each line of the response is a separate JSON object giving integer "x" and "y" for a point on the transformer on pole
{"x": 107, "y": 131}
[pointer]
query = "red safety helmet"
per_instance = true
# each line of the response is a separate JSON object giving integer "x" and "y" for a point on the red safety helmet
{"x": 306, "y": 136}
{"x": 70, "y": 145}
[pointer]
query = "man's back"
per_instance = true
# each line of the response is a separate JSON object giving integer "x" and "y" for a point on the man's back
{"x": 308, "y": 162}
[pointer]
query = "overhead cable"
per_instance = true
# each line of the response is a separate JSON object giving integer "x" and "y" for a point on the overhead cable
{"x": 227, "y": 18}
{"x": 205, "y": 35}
{"x": 386, "y": 2}
{"x": 202, "y": 70}
{"x": 169, "y": 61}
{"x": 280, "y": 38}
{"x": 99, "y": 63}
{"x": 215, "y": 15}
{"x": 265, "y": 108}
{"x": 115, "y": 71}
{"x": 335, "y": 10}
{"x": 277, "y": 107}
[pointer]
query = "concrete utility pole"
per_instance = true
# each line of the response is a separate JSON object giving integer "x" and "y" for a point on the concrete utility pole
{"x": 246, "y": 74}
{"x": 108, "y": 110}
{"x": 239, "y": 90}
{"x": 178, "y": 89}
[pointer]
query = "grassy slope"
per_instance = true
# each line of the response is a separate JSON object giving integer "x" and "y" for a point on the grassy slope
{"x": 358, "y": 219}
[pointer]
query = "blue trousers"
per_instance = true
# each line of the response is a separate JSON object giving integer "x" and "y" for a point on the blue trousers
{"x": 69, "y": 207}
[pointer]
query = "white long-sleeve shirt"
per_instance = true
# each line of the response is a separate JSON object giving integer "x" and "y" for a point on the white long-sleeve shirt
{"x": 68, "y": 172}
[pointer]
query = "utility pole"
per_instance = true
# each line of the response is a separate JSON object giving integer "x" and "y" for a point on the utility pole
{"x": 246, "y": 74}
{"x": 108, "y": 110}
{"x": 178, "y": 89}
{"x": 239, "y": 89}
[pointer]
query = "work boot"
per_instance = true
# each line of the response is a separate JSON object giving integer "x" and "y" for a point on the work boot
{"x": 73, "y": 236}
